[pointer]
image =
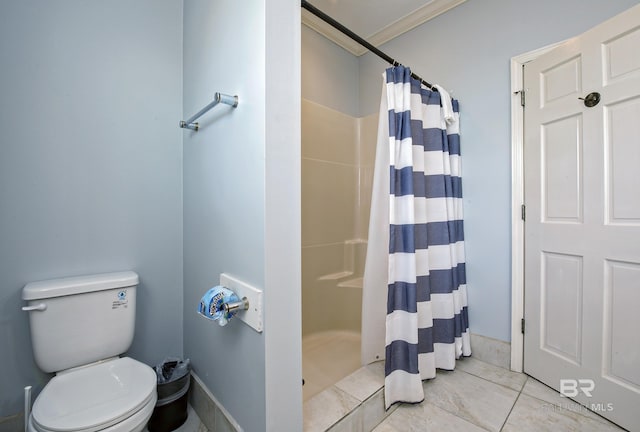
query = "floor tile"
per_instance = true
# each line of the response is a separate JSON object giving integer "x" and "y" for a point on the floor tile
{"x": 495, "y": 374}
{"x": 327, "y": 408}
{"x": 386, "y": 426}
{"x": 424, "y": 417}
{"x": 364, "y": 382}
{"x": 474, "y": 399}
{"x": 373, "y": 410}
{"x": 350, "y": 423}
{"x": 540, "y": 391}
{"x": 535, "y": 415}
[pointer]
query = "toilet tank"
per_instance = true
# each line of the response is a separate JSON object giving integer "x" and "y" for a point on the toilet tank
{"x": 78, "y": 320}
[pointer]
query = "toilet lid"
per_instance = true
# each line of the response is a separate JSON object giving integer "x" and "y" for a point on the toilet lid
{"x": 94, "y": 397}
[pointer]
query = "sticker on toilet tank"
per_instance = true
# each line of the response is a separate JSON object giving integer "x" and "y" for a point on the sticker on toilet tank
{"x": 121, "y": 301}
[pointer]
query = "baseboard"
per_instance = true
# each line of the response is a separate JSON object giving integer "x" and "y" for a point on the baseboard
{"x": 490, "y": 350}
{"x": 211, "y": 412}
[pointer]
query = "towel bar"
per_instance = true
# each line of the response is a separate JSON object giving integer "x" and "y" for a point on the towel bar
{"x": 218, "y": 98}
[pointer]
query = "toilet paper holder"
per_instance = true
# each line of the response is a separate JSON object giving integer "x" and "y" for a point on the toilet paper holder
{"x": 253, "y": 315}
{"x": 230, "y": 307}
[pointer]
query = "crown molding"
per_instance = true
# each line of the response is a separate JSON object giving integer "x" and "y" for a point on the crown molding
{"x": 326, "y": 30}
{"x": 391, "y": 31}
{"x": 414, "y": 19}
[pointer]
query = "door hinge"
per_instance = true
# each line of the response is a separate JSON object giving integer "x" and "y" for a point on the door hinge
{"x": 522, "y": 97}
{"x": 523, "y": 212}
{"x": 522, "y": 325}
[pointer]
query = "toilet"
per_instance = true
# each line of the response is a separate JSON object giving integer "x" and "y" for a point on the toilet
{"x": 79, "y": 328}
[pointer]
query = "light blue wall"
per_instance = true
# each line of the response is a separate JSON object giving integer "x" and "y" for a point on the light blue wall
{"x": 90, "y": 164}
{"x": 91, "y": 180}
{"x": 467, "y": 50}
{"x": 241, "y": 202}
{"x": 224, "y": 195}
{"x": 330, "y": 74}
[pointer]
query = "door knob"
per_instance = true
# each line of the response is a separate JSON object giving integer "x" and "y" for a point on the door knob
{"x": 591, "y": 100}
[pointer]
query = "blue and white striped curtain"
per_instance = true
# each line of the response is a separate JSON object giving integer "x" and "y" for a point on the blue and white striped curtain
{"x": 427, "y": 323}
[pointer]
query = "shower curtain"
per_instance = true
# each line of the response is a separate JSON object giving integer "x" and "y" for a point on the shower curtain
{"x": 414, "y": 297}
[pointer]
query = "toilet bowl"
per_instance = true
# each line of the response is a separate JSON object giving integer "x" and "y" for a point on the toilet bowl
{"x": 112, "y": 395}
{"x": 79, "y": 328}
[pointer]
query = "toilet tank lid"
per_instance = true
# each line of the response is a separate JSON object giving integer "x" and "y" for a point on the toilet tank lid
{"x": 78, "y": 284}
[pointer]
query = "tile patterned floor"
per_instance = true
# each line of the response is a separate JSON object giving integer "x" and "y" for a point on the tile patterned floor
{"x": 478, "y": 396}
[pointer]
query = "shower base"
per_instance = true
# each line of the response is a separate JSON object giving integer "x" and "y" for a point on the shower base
{"x": 327, "y": 357}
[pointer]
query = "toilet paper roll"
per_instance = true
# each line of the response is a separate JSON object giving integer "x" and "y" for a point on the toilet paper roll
{"x": 211, "y": 304}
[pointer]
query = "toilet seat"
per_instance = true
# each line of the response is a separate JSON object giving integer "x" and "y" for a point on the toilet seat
{"x": 96, "y": 397}
{"x": 135, "y": 423}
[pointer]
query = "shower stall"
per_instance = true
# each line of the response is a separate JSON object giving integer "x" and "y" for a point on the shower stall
{"x": 338, "y": 152}
{"x": 415, "y": 303}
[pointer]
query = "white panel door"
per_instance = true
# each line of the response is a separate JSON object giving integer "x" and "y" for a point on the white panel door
{"x": 582, "y": 229}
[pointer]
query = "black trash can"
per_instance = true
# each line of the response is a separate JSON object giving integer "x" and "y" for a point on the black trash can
{"x": 173, "y": 394}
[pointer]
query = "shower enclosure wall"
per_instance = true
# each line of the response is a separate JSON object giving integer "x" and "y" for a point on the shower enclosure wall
{"x": 338, "y": 153}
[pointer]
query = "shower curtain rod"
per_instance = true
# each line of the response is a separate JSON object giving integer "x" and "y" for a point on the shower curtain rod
{"x": 343, "y": 29}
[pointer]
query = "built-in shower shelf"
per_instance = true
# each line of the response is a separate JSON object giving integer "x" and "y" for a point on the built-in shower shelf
{"x": 336, "y": 276}
{"x": 351, "y": 283}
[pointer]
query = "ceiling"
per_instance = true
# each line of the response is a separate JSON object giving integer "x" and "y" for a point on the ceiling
{"x": 377, "y": 21}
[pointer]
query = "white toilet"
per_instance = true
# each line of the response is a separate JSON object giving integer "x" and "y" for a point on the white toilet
{"x": 79, "y": 327}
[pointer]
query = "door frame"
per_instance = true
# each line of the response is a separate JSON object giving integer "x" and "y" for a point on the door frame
{"x": 517, "y": 200}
